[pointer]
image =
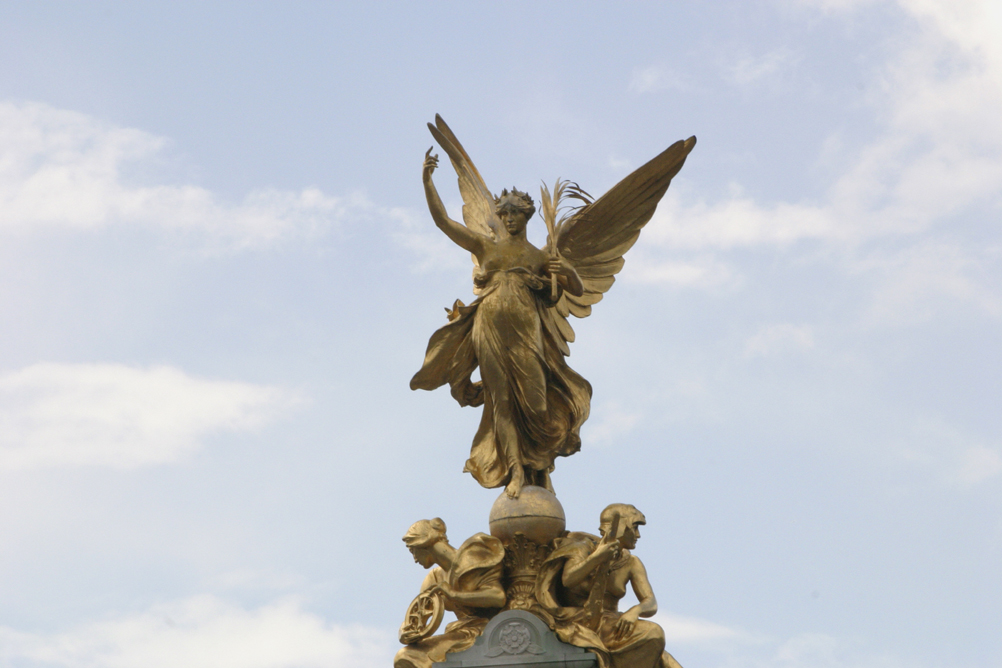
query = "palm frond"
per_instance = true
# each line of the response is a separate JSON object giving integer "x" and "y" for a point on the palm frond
{"x": 549, "y": 204}
{"x": 557, "y": 203}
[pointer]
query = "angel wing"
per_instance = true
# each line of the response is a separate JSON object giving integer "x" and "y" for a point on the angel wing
{"x": 478, "y": 202}
{"x": 595, "y": 238}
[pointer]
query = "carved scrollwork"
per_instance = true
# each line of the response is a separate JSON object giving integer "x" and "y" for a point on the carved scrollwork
{"x": 522, "y": 560}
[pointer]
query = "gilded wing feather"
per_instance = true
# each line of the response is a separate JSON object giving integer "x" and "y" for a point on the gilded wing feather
{"x": 595, "y": 238}
{"x": 478, "y": 202}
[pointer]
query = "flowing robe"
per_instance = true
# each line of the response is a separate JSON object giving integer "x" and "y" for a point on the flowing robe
{"x": 478, "y": 566}
{"x": 562, "y": 608}
{"x": 511, "y": 334}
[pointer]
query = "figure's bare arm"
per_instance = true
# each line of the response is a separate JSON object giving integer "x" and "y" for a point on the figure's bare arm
{"x": 647, "y": 606}
{"x": 460, "y": 234}
{"x": 577, "y": 570}
{"x": 642, "y": 588}
{"x": 489, "y": 595}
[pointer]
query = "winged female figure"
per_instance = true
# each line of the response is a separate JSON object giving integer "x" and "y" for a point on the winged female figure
{"x": 516, "y": 331}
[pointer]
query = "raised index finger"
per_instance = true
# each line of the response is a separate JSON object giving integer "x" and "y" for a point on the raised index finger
{"x": 428, "y": 153}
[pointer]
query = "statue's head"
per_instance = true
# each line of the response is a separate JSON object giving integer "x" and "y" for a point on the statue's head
{"x": 421, "y": 538}
{"x": 630, "y": 520}
{"x": 514, "y": 208}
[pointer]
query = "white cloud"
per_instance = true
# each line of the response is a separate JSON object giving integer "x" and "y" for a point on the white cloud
{"x": 120, "y": 416}
{"x": 832, "y": 6}
{"x": 65, "y": 169}
{"x": 955, "y": 458}
{"x": 250, "y": 579}
{"x": 203, "y": 631}
{"x": 654, "y": 78}
{"x": 918, "y": 281}
{"x": 750, "y": 70}
{"x": 689, "y": 636}
{"x": 703, "y": 271}
{"x": 779, "y": 338}
{"x": 818, "y": 650}
{"x": 738, "y": 222}
{"x": 977, "y": 464}
{"x": 813, "y": 650}
{"x": 620, "y": 165}
{"x": 609, "y": 423}
{"x": 939, "y": 97}
{"x": 937, "y": 158}
{"x": 432, "y": 250}
{"x": 681, "y": 630}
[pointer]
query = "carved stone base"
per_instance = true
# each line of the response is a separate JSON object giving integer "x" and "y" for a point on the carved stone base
{"x": 516, "y": 638}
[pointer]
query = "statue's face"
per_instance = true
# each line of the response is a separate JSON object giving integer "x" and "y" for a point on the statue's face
{"x": 629, "y": 535}
{"x": 423, "y": 556}
{"x": 514, "y": 220}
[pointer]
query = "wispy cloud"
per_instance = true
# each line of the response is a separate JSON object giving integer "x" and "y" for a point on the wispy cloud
{"x": 431, "y": 250}
{"x": 778, "y": 338}
{"x": 655, "y": 78}
{"x": 63, "y": 169}
{"x": 609, "y": 422}
{"x": 918, "y": 281}
{"x": 702, "y": 271}
{"x": 739, "y": 223}
{"x": 957, "y": 459}
{"x": 832, "y": 6}
{"x": 737, "y": 648}
{"x": 750, "y": 70}
{"x": 120, "y": 416}
{"x": 682, "y": 630}
{"x": 891, "y": 213}
{"x": 203, "y": 631}
{"x": 255, "y": 580}
{"x": 977, "y": 464}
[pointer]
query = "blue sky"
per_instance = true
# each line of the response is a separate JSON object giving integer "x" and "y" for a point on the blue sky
{"x": 217, "y": 275}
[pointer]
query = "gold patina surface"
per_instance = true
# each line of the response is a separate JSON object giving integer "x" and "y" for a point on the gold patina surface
{"x": 517, "y": 334}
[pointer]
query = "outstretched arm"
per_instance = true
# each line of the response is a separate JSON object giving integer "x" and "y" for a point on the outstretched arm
{"x": 462, "y": 235}
{"x": 489, "y": 595}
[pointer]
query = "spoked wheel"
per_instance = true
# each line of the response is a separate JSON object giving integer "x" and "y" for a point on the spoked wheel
{"x": 423, "y": 617}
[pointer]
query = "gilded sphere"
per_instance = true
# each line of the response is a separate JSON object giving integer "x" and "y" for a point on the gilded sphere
{"x": 536, "y": 513}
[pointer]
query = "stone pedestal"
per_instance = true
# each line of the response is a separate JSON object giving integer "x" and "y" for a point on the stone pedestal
{"x": 516, "y": 639}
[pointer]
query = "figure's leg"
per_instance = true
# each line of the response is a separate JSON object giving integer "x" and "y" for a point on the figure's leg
{"x": 668, "y": 661}
{"x": 412, "y": 656}
{"x": 643, "y": 646}
{"x": 544, "y": 480}
{"x": 507, "y": 435}
{"x": 532, "y": 405}
{"x": 493, "y": 376}
{"x": 533, "y": 387}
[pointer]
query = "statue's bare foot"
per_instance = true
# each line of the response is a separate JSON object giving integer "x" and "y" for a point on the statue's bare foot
{"x": 514, "y": 487}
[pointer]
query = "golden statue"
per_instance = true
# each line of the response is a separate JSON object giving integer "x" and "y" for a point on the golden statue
{"x": 466, "y": 581}
{"x": 582, "y": 582}
{"x": 531, "y": 587}
{"x": 516, "y": 331}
